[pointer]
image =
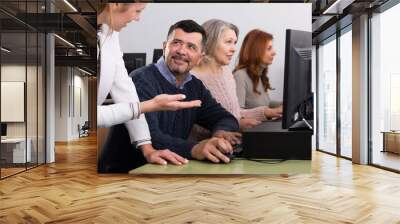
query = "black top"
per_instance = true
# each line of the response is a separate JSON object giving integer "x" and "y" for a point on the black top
{"x": 170, "y": 129}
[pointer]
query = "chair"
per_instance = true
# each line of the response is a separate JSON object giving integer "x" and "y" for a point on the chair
{"x": 84, "y": 130}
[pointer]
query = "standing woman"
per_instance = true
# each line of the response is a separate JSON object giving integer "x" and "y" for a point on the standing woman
{"x": 114, "y": 80}
{"x": 252, "y": 81}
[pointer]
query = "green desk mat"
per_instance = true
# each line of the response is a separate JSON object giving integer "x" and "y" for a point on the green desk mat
{"x": 234, "y": 167}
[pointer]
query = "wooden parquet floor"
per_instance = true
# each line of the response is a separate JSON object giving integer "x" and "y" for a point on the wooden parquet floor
{"x": 70, "y": 191}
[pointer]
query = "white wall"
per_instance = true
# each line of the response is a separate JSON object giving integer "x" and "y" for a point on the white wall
{"x": 80, "y": 102}
{"x": 61, "y": 103}
{"x": 274, "y": 18}
{"x": 33, "y": 125}
{"x": 17, "y": 73}
{"x": 67, "y": 116}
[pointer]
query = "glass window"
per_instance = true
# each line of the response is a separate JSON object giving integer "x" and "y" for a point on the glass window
{"x": 31, "y": 97}
{"x": 22, "y": 89}
{"x": 15, "y": 149}
{"x": 327, "y": 96}
{"x": 385, "y": 87}
{"x": 41, "y": 150}
{"x": 346, "y": 94}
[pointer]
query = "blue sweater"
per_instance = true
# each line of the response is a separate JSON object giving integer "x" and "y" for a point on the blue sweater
{"x": 170, "y": 129}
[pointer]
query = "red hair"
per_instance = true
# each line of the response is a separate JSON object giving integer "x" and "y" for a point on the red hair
{"x": 250, "y": 57}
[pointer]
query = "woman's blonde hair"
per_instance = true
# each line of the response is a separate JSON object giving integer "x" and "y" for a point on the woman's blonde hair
{"x": 106, "y": 7}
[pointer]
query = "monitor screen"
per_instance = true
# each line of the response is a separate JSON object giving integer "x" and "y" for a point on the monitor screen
{"x": 157, "y": 54}
{"x": 3, "y": 129}
{"x": 134, "y": 61}
{"x": 297, "y": 95}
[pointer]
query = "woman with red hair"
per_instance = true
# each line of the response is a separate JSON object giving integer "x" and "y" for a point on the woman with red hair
{"x": 252, "y": 82}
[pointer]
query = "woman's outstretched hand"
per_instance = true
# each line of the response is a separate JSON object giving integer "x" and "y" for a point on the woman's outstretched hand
{"x": 168, "y": 102}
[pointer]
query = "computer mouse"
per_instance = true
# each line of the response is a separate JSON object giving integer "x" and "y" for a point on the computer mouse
{"x": 237, "y": 150}
{"x": 231, "y": 156}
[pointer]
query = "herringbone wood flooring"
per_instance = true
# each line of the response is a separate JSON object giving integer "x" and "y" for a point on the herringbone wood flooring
{"x": 70, "y": 191}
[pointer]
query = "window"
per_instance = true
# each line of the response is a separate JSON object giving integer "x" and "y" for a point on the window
{"x": 346, "y": 93}
{"x": 327, "y": 96}
{"x": 22, "y": 68}
{"x": 385, "y": 88}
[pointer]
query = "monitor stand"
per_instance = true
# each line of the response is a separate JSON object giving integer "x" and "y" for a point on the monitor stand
{"x": 301, "y": 125}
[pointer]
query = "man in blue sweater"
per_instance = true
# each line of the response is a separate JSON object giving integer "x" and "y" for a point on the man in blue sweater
{"x": 171, "y": 75}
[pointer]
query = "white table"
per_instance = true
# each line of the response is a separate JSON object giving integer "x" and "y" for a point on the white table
{"x": 391, "y": 141}
{"x": 19, "y": 155}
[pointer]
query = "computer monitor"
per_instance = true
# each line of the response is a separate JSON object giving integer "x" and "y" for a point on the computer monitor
{"x": 3, "y": 129}
{"x": 134, "y": 61}
{"x": 297, "y": 96}
{"x": 157, "y": 54}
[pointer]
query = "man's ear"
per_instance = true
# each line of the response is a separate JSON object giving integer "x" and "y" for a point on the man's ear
{"x": 200, "y": 58}
{"x": 164, "y": 45}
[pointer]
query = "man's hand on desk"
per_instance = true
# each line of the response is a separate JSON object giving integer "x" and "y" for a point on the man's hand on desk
{"x": 231, "y": 137}
{"x": 212, "y": 149}
{"x": 161, "y": 156}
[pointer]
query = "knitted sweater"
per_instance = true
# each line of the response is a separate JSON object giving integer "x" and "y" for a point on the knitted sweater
{"x": 223, "y": 89}
{"x": 170, "y": 129}
{"x": 247, "y": 97}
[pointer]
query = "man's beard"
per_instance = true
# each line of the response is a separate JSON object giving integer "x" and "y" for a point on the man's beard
{"x": 177, "y": 71}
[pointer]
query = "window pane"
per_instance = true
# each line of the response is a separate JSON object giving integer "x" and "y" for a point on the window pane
{"x": 41, "y": 98}
{"x": 15, "y": 149}
{"x": 327, "y": 97}
{"x": 31, "y": 97}
{"x": 22, "y": 77}
{"x": 385, "y": 84}
{"x": 346, "y": 94}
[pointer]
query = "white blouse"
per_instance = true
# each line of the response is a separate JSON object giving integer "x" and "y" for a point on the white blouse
{"x": 114, "y": 79}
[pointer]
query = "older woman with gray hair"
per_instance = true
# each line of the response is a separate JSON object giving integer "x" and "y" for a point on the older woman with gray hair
{"x": 213, "y": 70}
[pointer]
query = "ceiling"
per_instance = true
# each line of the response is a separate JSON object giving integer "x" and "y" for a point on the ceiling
{"x": 75, "y": 22}
{"x": 331, "y": 15}
{"x": 21, "y": 22}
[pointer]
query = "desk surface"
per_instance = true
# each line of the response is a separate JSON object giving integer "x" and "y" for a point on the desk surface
{"x": 13, "y": 140}
{"x": 391, "y": 132}
{"x": 234, "y": 167}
